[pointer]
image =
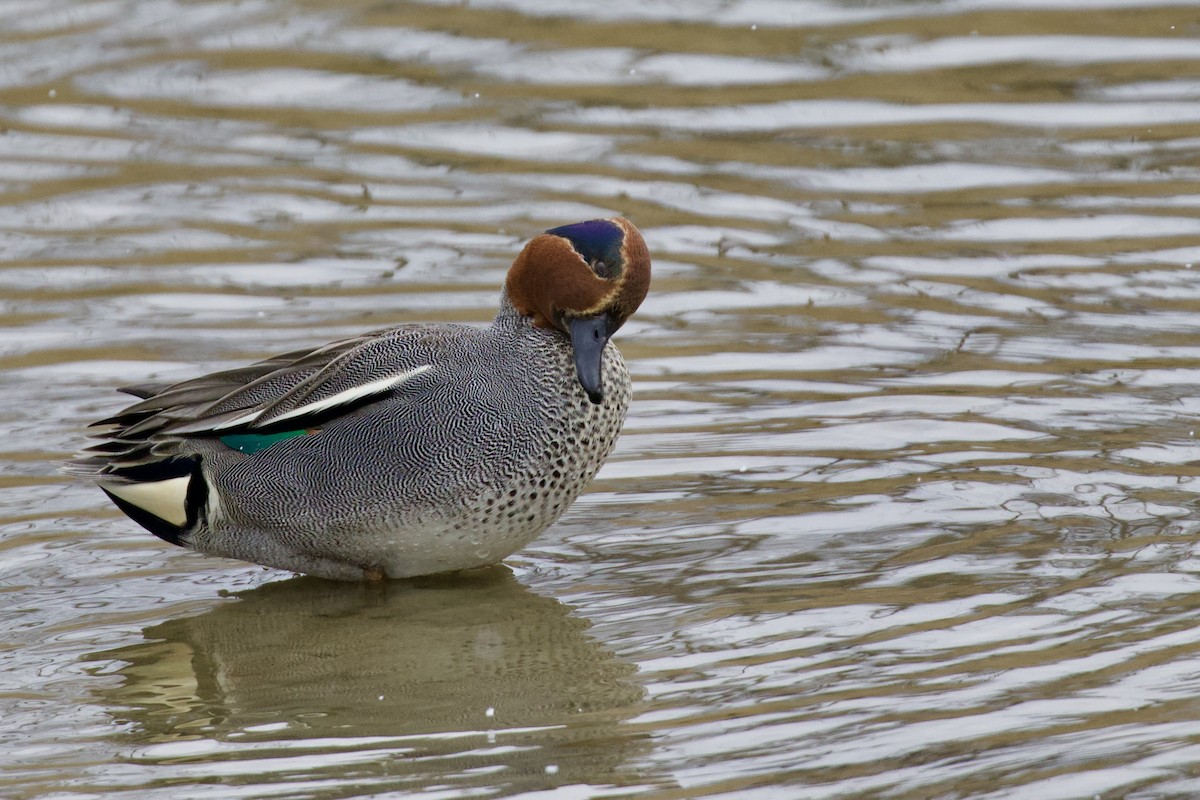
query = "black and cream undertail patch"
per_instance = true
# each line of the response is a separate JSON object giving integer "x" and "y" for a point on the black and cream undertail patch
{"x": 166, "y": 498}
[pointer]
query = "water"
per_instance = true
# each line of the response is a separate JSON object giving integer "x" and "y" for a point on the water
{"x": 905, "y": 503}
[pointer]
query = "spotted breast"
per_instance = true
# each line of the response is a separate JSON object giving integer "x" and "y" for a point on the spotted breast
{"x": 407, "y": 451}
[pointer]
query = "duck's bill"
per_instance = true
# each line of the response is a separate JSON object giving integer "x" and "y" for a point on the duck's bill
{"x": 588, "y": 337}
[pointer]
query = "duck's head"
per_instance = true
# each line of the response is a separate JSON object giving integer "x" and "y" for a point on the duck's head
{"x": 584, "y": 280}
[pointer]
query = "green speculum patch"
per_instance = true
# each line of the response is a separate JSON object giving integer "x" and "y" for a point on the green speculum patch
{"x": 250, "y": 443}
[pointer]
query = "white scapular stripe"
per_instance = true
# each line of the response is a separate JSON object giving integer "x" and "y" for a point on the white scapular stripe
{"x": 244, "y": 419}
{"x": 350, "y": 395}
{"x": 164, "y": 499}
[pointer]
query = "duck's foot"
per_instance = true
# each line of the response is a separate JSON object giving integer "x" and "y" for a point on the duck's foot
{"x": 374, "y": 574}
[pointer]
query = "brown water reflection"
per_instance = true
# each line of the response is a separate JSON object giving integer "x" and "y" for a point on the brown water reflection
{"x": 475, "y": 671}
{"x": 905, "y": 505}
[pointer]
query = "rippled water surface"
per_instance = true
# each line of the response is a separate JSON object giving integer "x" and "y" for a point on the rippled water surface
{"x": 905, "y": 506}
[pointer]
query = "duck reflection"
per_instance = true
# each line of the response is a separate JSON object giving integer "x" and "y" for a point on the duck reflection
{"x": 479, "y": 655}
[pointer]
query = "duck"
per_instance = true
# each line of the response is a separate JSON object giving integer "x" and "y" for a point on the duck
{"x": 417, "y": 449}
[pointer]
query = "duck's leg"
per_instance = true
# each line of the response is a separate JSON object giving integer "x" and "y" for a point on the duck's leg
{"x": 374, "y": 574}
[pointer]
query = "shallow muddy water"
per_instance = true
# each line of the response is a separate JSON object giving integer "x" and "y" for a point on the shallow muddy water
{"x": 906, "y": 503}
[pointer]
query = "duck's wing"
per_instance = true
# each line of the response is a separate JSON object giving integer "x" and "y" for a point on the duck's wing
{"x": 290, "y": 392}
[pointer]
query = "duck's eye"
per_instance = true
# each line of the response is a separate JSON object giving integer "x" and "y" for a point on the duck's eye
{"x": 600, "y": 268}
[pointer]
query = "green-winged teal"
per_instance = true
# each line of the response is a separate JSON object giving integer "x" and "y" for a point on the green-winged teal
{"x": 407, "y": 451}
